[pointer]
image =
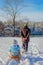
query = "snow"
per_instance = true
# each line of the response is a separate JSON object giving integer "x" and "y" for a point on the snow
{"x": 35, "y": 45}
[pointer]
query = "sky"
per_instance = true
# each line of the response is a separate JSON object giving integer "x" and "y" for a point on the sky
{"x": 34, "y": 11}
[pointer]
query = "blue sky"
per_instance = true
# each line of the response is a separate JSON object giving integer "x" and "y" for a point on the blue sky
{"x": 34, "y": 11}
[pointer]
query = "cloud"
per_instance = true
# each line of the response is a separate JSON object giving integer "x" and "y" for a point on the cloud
{"x": 31, "y": 15}
{"x": 34, "y": 16}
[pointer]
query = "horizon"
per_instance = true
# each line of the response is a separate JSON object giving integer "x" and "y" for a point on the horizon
{"x": 34, "y": 11}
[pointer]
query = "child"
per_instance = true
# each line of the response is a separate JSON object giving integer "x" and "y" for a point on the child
{"x": 14, "y": 52}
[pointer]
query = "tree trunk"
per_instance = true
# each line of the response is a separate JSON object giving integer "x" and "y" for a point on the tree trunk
{"x": 14, "y": 24}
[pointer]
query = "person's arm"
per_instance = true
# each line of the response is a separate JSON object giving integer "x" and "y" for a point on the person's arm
{"x": 28, "y": 33}
{"x": 10, "y": 53}
{"x": 23, "y": 39}
{"x": 19, "y": 55}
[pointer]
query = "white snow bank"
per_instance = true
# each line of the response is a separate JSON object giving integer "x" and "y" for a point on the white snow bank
{"x": 5, "y": 42}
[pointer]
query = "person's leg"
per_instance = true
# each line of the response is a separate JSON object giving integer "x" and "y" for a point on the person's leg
{"x": 23, "y": 46}
{"x": 26, "y": 49}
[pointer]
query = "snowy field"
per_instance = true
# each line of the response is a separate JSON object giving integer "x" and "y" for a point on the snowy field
{"x": 5, "y": 42}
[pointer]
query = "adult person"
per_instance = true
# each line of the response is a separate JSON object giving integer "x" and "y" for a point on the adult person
{"x": 25, "y": 33}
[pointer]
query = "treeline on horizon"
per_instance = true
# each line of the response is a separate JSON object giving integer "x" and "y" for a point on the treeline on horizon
{"x": 36, "y": 27}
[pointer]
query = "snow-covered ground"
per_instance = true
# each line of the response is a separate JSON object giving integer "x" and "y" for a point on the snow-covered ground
{"x": 35, "y": 45}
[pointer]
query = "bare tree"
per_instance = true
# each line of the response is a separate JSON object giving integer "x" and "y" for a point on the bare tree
{"x": 13, "y": 8}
